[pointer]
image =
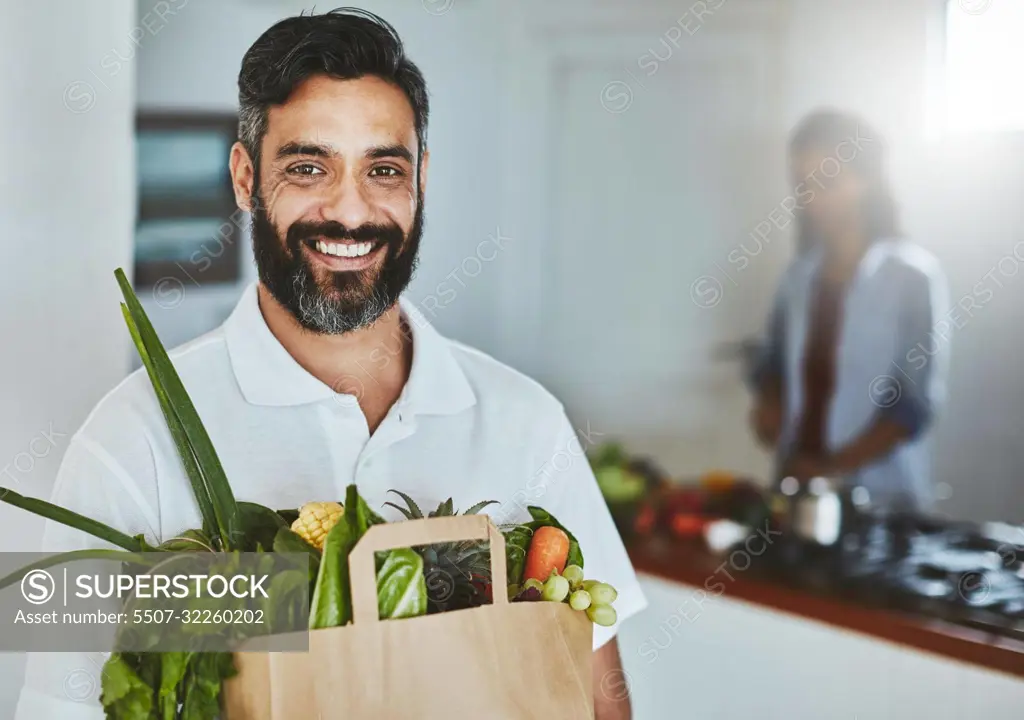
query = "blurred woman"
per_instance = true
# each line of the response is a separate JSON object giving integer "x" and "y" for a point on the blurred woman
{"x": 852, "y": 371}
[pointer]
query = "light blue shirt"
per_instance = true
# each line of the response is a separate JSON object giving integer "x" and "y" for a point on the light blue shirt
{"x": 891, "y": 358}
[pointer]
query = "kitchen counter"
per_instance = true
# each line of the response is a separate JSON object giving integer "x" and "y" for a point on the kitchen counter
{"x": 692, "y": 565}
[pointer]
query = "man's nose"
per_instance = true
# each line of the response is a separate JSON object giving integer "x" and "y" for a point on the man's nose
{"x": 347, "y": 204}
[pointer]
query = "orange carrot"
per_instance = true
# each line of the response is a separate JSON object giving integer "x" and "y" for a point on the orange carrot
{"x": 548, "y": 551}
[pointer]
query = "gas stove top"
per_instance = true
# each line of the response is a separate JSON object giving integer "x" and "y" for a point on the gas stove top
{"x": 956, "y": 572}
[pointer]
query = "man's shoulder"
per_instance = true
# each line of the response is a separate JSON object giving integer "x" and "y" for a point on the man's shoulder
{"x": 132, "y": 403}
{"x": 910, "y": 260}
{"x": 496, "y": 383}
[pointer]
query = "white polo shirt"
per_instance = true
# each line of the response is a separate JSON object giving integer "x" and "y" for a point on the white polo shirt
{"x": 465, "y": 426}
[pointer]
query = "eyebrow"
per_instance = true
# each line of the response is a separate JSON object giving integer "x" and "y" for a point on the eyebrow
{"x": 390, "y": 151}
{"x": 328, "y": 151}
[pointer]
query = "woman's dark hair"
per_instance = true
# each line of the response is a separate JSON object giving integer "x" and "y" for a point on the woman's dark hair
{"x": 346, "y": 43}
{"x": 825, "y": 131}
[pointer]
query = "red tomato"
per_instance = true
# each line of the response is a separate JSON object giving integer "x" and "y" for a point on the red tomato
{"x": 687, "y": 525}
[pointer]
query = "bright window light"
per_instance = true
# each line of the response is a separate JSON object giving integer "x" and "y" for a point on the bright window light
{"x": 984, "y": 58}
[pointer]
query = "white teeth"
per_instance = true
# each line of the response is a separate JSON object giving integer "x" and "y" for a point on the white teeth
{"x": 344, "y": 249}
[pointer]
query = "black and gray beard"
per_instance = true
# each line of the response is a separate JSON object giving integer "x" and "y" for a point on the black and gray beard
{"x": 347, "y": 300}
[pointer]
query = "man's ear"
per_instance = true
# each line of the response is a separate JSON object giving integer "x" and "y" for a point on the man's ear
{"x": 424, "y": 164}
{"x": 243, "y": 176}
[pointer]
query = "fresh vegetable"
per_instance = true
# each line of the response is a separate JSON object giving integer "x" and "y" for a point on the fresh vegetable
{"x": 580, "y": 600}
{"x": 549, "y": 550}
{"x": 401, "y": 587}
{"x": 619, "y": 484}
{"x": 688, "y": 525}
{"x": 332, "y": 596}
{"x": 556, "y": 589}
{"x": 125, "y": 694}
{"x": 259, "y": 526}
{"x": 542, "y": 518}
{"x": 517, "y": 544}
{"x": 316, "y": 520}
{"x": 210, "y": 485}
{"x": 645, "y": 520}
{"x": 604, "y": 615}
{"x": 74, "y": 520}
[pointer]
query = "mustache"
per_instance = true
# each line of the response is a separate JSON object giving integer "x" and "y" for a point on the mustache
{"x": 301, "y": 231}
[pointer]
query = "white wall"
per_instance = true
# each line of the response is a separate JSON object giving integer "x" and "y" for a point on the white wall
{"x": 66, "y": 215}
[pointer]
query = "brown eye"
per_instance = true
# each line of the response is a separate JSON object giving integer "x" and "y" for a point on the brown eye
{"x": 386, "y": 171}
{"x": 305, "y": 169}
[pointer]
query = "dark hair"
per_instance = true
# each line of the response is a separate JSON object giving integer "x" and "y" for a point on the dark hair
{"x": 825, "y": 131}
{"x": 345, "y": 43}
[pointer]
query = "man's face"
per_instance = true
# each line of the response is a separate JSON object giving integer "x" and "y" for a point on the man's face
{"x": 337, "y": 202}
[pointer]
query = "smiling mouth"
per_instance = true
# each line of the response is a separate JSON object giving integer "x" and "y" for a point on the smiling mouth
{"x": 345, "y": 255}
{"x": 346, "y": 249}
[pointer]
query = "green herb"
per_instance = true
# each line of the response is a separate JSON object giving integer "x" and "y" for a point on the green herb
{"x": 401, "y": 587}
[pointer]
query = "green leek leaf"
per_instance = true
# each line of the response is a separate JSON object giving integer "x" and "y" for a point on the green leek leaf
{"x": 225, "y": 508}
{"x": 188, "y": 459}
{"x": 72, "y": 519}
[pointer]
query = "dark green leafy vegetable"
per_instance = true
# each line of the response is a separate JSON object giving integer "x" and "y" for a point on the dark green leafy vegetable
{"x": 289, "y": 516}
{"x": 401, "y": 587}
{"x": 260, "y": 525}
{"x": 206, "y": 675}
{"x": 172, "y": 671}
{"x": 125, "y": 695}
{"x": 332, "y": 596}
{"x": 517, "y": 544}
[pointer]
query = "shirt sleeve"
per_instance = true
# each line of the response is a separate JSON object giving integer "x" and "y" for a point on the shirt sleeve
{"x": 922, "y": 351}
{"x": 568, "y": 490}
{"x": 107, "y": 474}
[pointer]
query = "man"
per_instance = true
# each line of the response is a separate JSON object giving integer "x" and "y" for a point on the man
{"x": 322, "y": 376}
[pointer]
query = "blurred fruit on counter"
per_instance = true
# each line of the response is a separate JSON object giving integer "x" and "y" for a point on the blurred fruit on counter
{"x": 645, "y": 501}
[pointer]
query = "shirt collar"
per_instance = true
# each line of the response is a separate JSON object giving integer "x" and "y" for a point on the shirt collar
{"x": 872, "y": 260}
{"x": 268, "y": 375}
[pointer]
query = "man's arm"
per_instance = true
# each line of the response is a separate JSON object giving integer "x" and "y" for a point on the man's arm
{"x": 107, "y": 474}
{"x": 611, "y": 691}
{"x": 565, "y": 486}
{"x": 765, "y": 378}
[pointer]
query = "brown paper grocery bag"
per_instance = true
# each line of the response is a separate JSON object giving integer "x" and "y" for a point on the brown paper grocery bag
{"x": 505, "y": 660}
